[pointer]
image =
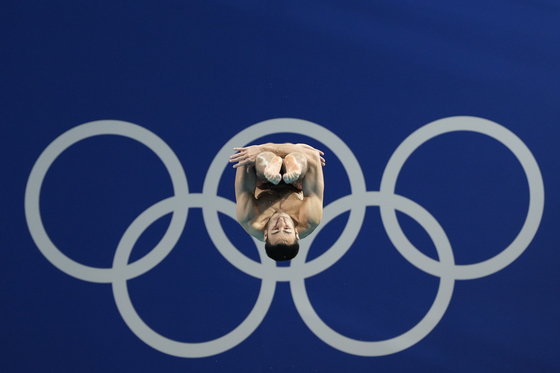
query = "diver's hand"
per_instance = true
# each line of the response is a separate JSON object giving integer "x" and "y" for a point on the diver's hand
{"x": 309, "y": 147}
{"x": 246, "y": 156}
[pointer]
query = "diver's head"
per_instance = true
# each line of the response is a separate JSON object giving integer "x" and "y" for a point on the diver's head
{"x": 281, "y": 237}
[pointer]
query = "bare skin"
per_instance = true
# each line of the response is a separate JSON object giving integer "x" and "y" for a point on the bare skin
{"x": 279, "y": 190}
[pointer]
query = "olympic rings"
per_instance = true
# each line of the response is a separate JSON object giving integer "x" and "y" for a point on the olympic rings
{"x": 299, "y": 270}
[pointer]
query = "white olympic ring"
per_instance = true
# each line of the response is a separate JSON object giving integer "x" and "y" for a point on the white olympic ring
{"x": 299, "y": 270}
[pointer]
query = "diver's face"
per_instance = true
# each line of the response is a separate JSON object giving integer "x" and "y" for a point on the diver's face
{"x": 281, "y": 229}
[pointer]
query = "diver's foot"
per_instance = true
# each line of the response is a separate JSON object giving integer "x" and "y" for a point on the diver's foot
{"x": 272, "y": 171}
{"x": 293, "y": 169}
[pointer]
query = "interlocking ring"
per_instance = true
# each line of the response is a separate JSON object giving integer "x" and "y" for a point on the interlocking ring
{"x": 388, "y": 202}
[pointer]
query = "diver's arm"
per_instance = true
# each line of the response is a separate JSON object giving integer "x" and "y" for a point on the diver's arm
{"x": 248, "y": 154}
{"x": 247, "y": 210}
{"x": 311, "y": 212}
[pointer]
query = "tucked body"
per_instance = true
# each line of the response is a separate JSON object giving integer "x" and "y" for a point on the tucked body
{"x": 279, "y": 191}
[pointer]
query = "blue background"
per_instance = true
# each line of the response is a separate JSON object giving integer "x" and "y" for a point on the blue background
{"x": 198, "y": 72}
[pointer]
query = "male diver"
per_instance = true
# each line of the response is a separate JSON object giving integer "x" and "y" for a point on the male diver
{"x": 279, "y": 192}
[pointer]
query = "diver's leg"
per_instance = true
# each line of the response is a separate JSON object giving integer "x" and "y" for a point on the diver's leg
{"x": 295, "y": 168}
{"x": 267, "y": 166}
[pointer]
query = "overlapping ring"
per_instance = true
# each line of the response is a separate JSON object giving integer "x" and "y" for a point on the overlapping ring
{"x": 299, "y": 270}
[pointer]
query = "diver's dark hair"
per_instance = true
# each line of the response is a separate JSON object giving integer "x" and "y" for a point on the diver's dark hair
{"x": 282, "y": 252}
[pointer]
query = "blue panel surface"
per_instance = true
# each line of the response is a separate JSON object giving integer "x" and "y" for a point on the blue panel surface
{"x": 439, "y": 244}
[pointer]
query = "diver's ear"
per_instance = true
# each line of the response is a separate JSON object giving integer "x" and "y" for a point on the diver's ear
{"x": 297, "y": 234}
{"x": 266, "y": 232}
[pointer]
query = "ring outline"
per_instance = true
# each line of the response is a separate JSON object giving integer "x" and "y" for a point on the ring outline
{"x": 57, "y": 147}
{"x": 519, "y": 150}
